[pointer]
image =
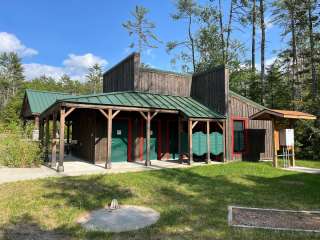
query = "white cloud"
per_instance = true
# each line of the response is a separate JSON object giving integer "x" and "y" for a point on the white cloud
{"x": 10, "y": 43}
{"x": 268, "y": 62}
{"x": 76, "y": 66}
{"x": 33, "y": 70}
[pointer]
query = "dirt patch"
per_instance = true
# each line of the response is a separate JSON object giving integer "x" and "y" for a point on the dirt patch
{"x": 278, "y": 219}
{"x": 30, "y": 231}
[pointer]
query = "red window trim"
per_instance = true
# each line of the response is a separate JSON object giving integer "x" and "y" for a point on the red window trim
{"x": 246, "y": 123}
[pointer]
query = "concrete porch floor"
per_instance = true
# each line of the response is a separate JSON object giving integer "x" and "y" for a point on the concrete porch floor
{"x": 77, "y": 167}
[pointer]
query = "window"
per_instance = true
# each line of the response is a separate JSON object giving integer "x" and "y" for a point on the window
{"x": 238, "y": 136}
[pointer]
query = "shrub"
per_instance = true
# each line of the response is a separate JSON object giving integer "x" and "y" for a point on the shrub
{"x": 16, "y": 150}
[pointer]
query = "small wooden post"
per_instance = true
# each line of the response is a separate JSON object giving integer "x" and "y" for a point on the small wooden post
{"x": 61, "y": 153}
{"x": 36, "y": 122}
{"x": 224, "y": 139}
{"x": 47, "y": 140}
{"x": 275, "y": 154}
{"x": 109, "y": 140}
{"x": 148, "y": 163}
{"x": 68, "y": 137}
{"x": 53, "y": 141}
{"x": 179, "y": 139}
{"x": 208, "y": 160}
{"x": 190, "y": 141}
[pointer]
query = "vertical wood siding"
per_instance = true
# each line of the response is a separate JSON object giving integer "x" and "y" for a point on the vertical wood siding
{"x": 259, "y": 132}
{"x": 211, "y": 89}
{"x": 155, "y": 81}
{"x": 122, "y": 76}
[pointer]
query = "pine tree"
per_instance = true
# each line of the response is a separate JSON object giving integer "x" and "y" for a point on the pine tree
{"x": 141, "y": 29}
{"x": 94, "y": 78}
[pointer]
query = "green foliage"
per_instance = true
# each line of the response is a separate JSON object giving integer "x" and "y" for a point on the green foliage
{"x": 16, "y": 150}
{"x": 94, "y": 78}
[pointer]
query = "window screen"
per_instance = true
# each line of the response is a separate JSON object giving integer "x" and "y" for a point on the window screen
{"x": 238, "y": 133}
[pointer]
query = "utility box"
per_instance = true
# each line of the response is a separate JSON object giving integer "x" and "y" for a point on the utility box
{"x": 286, "y": 137}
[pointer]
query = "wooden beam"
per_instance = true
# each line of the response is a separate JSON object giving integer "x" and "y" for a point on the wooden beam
{"x": 143, "y": 115}
{"x": 69, "y": 111}
{"x": 275, "y": 154}
{"x": 36, "y": 122}
{"x": 115, "y": 114}
{"x": 104, "y": 113}
{"x": 68, "y": 137}
{"x": 208, "y": 160}
{"x": 148, "y": 163}
{"x": 154, "y": 114}
{"x": 220, "y": 125}
{"x": 207, "y": 119}
{"x": 224, "y": 139}
{"x": 194, "y": 124}
{"x": 190, "y": 142}
{"x": 109, "y": 140}
{"x": 47, "y": 140}
{"x": 53, "y": 141}
{"x": 128, "y": 109}
{"x": 61, "y": 142}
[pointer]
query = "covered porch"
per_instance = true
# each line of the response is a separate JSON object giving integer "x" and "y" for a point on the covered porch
{"x": 115, "y": 129}
{"x": 281, "y": 119}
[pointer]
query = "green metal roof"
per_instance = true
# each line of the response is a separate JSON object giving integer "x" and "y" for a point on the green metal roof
{"x": 188, "y": 106}
{"x": 41, "y": 100}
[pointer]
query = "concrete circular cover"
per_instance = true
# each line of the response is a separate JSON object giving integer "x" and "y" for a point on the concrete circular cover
{"x": 126, "y": 218}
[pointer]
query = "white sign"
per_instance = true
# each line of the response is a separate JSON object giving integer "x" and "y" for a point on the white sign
{"x": 118, "y": 132}
{"x": 286, "y": 137}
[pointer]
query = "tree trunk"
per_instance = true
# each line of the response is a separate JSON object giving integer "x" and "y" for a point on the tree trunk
{"x": 294, "y": 57}
{"x": 313, "y": 67}
{"x": 229, "y": 31}
{"x": 192, "y": 44}
{"x": 253, "y": 47}
{"x": 263, "y": 46}
{"x": 222, "y": 33}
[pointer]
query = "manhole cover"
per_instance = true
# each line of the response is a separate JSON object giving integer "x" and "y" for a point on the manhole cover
{"x": 126, "y": 218}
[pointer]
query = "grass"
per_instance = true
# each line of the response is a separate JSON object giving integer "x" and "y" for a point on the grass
{"x": 192, "y": 202}
{"x": 308, "y": 163}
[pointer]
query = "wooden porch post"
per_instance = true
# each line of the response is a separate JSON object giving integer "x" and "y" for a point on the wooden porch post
{"x": 179, "y": 139}
{"x": 208, "y": 160}
{"x": 68, "y": 137}
{"x": 47, "y": 140}
{"x": 36, "y": 122}
{"x": 148, "y": 163}
{"x": 190, "y": 141}
{"x": 41, "y": 132}
{"x": 275, "y": 154}
{"x": 109, "y": 139}
{"x": 224, "y": 139}
{"x": 61, "y": 152}
{"x": 53, "y": 141}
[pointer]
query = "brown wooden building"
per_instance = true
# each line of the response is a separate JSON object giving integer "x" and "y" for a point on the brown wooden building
{"x": 145, "y": 114}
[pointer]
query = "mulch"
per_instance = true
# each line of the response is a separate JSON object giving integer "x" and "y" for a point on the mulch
{"x": 276, "y": 219}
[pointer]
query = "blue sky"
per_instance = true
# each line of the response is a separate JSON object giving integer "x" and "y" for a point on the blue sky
{"x": 66, "y": 36}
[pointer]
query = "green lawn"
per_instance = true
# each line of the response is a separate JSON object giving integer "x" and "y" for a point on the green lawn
{"x": 308, "y": 163}
{"x": 192, "y": 202}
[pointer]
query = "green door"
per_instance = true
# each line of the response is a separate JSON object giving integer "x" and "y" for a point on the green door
{"x": 119, "y": 152}
{"x": 153, "y": 142}
{"x": 216, "y": 143}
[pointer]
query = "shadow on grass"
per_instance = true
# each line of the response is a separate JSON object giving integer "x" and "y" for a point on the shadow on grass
{"x": 85, "y": 193}
{"x": 26, "y": 228}
{"x": 192, "y": 202}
